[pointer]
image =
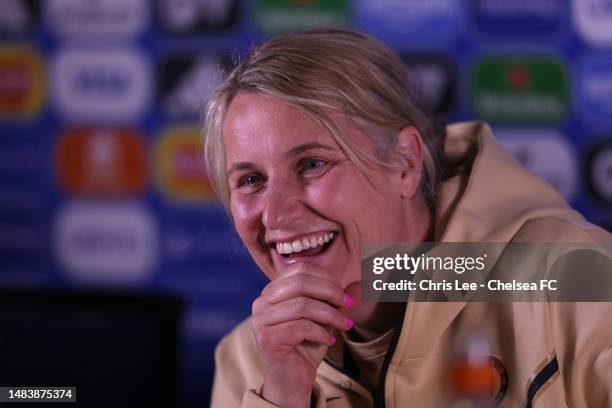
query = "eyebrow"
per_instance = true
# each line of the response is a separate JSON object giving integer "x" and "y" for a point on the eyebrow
{"x": 294, "y": 151}
{"x": 241, "y": 166}
{"x": 305, "y": 147}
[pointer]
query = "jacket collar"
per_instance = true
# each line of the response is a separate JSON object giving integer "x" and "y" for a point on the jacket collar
{"x": 489, "y": 202}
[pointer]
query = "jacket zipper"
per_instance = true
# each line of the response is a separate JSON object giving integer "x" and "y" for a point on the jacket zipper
{"x": 378, "y": 397}
{"x": 350, "y": 375}
{"x": 379, "y": 401}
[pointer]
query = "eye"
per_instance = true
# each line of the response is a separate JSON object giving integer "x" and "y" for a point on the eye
{"x": 311, "y": 164}
{"x": 250, "y": 179}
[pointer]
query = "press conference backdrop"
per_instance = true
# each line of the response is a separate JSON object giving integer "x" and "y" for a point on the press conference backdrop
{"x": 101, "y": 179}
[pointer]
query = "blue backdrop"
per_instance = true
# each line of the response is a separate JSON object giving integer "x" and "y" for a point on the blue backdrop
{"x": 101, "y": 180}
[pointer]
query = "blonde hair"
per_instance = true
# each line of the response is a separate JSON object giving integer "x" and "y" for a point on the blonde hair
{"x": 329, "y": 70}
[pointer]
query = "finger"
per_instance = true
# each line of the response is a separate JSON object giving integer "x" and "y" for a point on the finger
{"x": 292, "y": 333}
{"x": 354, "y": 291}
{"x": 308, "y": 269}
{"x": 301, "y": 308}
{"x": 302, "y": 336}
{"x": 305, "y": 285}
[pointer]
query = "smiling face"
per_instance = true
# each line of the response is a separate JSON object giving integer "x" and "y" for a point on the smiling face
{"x": 296, "y": 197}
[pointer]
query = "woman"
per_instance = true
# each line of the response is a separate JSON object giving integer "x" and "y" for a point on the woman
{"x": 317, "y": 146}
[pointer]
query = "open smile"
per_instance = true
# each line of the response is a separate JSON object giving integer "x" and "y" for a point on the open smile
{"x": 309, "y": 245}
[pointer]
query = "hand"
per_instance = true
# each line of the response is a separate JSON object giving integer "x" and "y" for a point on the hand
{"x": 293, "y": 321}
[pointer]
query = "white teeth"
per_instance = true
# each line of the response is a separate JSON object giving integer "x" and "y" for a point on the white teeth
{"x": 299, "y": 245}
{"x": 313, "y": 242}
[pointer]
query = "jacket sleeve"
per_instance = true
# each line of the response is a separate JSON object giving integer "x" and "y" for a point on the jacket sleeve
{"x": 229, "y": 386}
{"x": 583, "y": 337}
{"x": 253, "y": 399}
{"x": 238, "y": 380}
{"x": 582, "y": 330}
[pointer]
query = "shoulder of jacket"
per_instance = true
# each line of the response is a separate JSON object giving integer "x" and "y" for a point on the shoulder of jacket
{"x": 559, "y": 228}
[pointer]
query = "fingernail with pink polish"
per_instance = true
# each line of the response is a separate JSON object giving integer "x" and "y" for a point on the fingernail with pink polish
{"x": 349, "y": 322}
{"x": 332, "y": 340}
{"x": 348, "y": 300}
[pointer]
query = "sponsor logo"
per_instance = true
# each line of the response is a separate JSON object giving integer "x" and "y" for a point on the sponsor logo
{"x": 522, "y": 17}
{"x": 545, "y": 153}
{"x": 275, "y": 16}
{"x": 101, "y": 85}
{"x": 434, "y": 78}
{"x": 499, "y": 377}
{"x": 21, "y": 82}
{"x": 483, "y": 377}
{"x": 595, "y": 88}
{"x": 101, "y": 161}
{"x": 520, "y": 89}
{"x": 179, "y": 170}
{"x": 193, "y": 16}
{"x": 19, "y": 16}
{"x": 399, "y": 21}
{"x": 593, "y": 19}
{"x": 599, "y": 170}
{"x": 101, "y": 18}
{"x": 187, "y": 83}
{"x": 108, "y": 243}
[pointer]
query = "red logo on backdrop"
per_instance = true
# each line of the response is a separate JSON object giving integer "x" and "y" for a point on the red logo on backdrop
{"x": 21, "y": 81}
{"x": 179, "y": 166}
{"x": 519, "y": 77}
{"x": 101, "y": 162}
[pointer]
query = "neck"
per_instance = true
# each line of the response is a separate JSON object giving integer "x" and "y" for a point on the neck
{"x": 373, "y": 319}
{"x": 377, "y": 318}
{"x": 383, "y": 318}
{"x": 420, "y": 221}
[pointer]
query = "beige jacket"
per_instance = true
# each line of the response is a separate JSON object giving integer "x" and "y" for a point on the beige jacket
{"x": 549, "y": 354}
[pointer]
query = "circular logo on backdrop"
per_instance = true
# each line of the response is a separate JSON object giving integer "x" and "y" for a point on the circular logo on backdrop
{"x": 592, "y": 20}
{"x": 546, "y": 153}
{"x": 599, "y": 171}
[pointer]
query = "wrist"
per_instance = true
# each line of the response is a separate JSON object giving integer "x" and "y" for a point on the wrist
{"x": 295, "y": 400}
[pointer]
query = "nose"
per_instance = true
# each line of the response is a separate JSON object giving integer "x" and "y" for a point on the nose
{"x": 282, "y": 206}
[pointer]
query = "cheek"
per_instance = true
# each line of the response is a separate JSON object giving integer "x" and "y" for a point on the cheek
{"x": 336, "y": 189}
{"x": 347, "y": 192}
{"x": 344, "y": 197}
{"x": 245, "y": 215}
{"x": 367, "y": 208}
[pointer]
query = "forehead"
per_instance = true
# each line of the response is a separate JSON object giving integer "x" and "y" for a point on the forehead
{"x": 264, "y": 124}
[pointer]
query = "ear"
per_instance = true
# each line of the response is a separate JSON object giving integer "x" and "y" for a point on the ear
{"x": 409, "y": 151}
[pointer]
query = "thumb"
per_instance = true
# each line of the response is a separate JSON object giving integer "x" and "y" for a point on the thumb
{"x": 354, "y": 291}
